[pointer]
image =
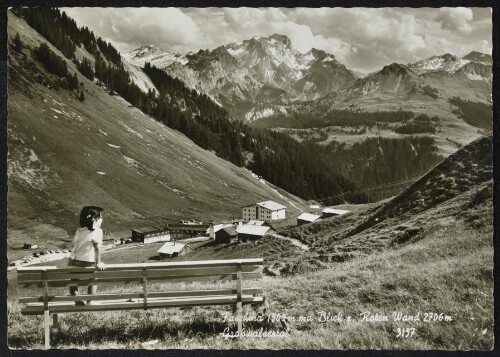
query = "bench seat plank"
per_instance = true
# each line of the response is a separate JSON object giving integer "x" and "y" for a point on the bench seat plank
{"x": 152, "y": 303}
{"x": 135, "y": 295}
{"x": 160, "y": 279}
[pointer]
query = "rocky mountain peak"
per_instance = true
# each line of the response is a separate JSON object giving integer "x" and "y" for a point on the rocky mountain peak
{"x": 475, "y": 56}
{"x": 449, "y": 57}
{"x": 397, "y": 69}
{"x": 280, "y": 38}
{"x": 146, "y": 50}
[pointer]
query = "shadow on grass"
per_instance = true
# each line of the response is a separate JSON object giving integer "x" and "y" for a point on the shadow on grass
{"x": 75, "y": 331}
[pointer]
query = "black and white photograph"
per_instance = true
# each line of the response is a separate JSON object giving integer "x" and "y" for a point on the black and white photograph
{"x": 249, "y": 178}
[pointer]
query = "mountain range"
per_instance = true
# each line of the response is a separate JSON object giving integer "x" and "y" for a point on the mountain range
{"x": 251, "y": 77}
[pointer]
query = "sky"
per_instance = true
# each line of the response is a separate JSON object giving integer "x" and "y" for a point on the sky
{"x": 363, "y": 39}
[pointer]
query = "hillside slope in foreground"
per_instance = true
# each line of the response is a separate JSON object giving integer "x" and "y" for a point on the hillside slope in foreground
{"x": 64, "y": 154}
{"x": 438, "y": 273}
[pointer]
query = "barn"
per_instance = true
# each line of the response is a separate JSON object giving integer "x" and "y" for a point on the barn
{"x": 150, "y": 235}
{"x": 250, "y": 232}
{"x": 330, "y": 212}
{"x": 307, "y": 218}
{"x": 226, "y": 235}
{"x": 171, "y": 250}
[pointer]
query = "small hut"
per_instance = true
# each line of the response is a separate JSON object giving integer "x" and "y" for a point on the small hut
{"x": 30, "y": 246}
{"x": 251, "y": 232}
{"x": 307, "y": 218}
{"x": 330, "y": 212}
{"x": 226, "y": 235}
{"x": 171, "y": 250}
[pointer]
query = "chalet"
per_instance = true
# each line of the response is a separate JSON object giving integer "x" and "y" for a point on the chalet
{"x": 148, "y": 235}
{"x": 250, "y": 232}
{"x": 171, "y": 250}
{"x": 226, "y": 235}
{"x": 307, "y": 218}
{"x": 265, "y": 211}
{"x": 330, "y": 212}
{"x": 215, "y": 227}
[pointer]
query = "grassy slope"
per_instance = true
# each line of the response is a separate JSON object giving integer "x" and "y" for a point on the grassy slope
{"x": 58, "y": 146}
{"x": 448, "y": 270}
{"x": 445, "y": 268}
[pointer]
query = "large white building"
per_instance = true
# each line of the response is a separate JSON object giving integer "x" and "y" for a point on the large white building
{"x": 264, "y": 211}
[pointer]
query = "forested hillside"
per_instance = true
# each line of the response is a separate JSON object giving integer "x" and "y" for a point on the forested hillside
{"x": 474, "y": 113}
{"x": 274, "y": 156}
{"x": 378, "y": 161}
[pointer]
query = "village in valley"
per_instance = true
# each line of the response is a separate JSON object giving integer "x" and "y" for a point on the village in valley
{"x": 258, "y": 221}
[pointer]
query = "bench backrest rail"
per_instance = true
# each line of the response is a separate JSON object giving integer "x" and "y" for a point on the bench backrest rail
{"x": 85, "y": 276}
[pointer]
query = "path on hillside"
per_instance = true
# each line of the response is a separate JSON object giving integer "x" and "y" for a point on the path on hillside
{"x": 294, "y": 241}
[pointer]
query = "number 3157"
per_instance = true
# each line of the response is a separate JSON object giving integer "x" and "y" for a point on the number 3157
{"x": 405, "y": 332}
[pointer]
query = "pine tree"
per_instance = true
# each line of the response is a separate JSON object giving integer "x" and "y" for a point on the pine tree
{"x": 81, "y": 97}
{"x": 18, "y": 46}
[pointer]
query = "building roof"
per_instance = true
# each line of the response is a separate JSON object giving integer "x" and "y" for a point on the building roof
{"x": 335, "y": 211}
{"x": 271, "y": 205}
{"x": 171, "y": 247}
{"x": 252, "y": 230}
{"x": 229, "y": 230}
{"x": 255, "y": 222}
{"x": 309, "y": 217}
{"x": 150, "y": 229}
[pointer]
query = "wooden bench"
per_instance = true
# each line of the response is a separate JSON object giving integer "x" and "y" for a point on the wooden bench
{"x": 138, "y": 276}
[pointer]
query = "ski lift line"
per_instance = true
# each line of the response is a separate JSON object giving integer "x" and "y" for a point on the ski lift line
{"x": 389, "y": 184}
{"x": 373, "y": 188}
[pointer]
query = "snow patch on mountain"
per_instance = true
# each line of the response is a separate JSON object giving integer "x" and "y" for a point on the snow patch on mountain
{"x": 369, "y": 87}
{"x": 308, "y": 86}
{"x": 476, "y": 77}
{"x": 154, "y": 56}
{"x": 255, "y": 114}
{"x": 237, "y": 53}
{"x": 447, "y": 63}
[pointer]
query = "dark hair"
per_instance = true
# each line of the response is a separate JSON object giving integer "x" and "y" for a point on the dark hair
{"x": 88, "y": 214}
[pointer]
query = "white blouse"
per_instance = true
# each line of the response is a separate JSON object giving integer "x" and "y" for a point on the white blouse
{"x": 83, "y": 244}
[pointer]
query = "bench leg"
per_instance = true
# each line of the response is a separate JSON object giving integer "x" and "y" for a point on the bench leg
{"x": 55, "y": 323}
{"x": 239, "y": 309}
{"x": 46, "y": 323}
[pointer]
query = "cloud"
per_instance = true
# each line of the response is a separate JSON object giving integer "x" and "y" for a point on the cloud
{"x": 165, "y": 27}
{"x": 367, "y": 38}
{"x": 456, "y": 19}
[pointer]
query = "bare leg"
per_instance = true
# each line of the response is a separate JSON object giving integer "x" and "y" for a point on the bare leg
{"x": 92, "y": 290}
